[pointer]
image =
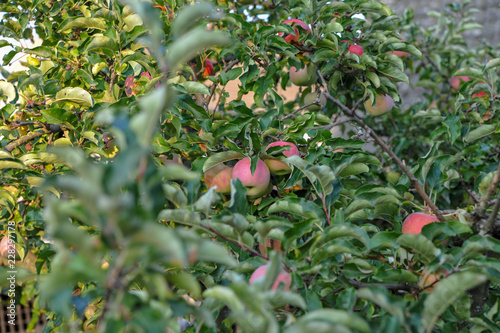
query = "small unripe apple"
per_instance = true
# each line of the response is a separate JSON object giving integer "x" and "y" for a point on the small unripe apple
{"x": 457, "y": 81}
{"x": 311, "y": 98}
{"x": 383, "y": 104}
{"x": 303, "y": 77}
{"x": 256, "y": 183}
{"x": 356, "y": 49}
{"x": 414, "y": 222}
{"x": 278, "y": 167}
{"x": 283, "y": 278}
{"x": 220, "y": 176}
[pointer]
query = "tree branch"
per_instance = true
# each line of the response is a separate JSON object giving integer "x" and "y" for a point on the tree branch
{"x": 387, "y": 149}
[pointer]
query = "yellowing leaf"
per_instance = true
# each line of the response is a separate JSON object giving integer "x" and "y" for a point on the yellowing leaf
{"x": 75, "y": 95}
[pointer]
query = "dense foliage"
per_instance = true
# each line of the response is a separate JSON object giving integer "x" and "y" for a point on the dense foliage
{"x": 110, "y": 130}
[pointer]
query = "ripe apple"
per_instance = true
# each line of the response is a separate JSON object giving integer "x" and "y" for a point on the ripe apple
{"x": 278, "y": 167}
{"x": 356, "y": 49}
{"x": 428, "y": 281}
{"x": 256, "y": 183}
{"x": 283, "y": 278}
{"x": 480, "y": 93}
{"x": 220, "y": 176}
{"x": 303, "y": 77}
{"x": 4, "y": 247}
{"x": 414, "y": 222}
{"x": 311, "y": 98}
{"x": 457, "y": 81}
{"x": 383, "y": 104}
{"x": 401, "y": 54}
{"x": 294, "y": 23}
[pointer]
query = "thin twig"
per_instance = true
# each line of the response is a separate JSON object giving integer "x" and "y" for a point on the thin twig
{"x": 298, "y": 110}
{"x": 230, "y": 65}
{"x": 386, "y": 148}
{"x": 389, "y": 286}
{"x": 243, "y": 247}
{"x": 24, "y": 139}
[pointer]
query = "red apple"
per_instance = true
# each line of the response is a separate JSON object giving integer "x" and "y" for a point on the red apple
{"x": 356, "y": 49}
{"x": 414, "y": 222}
{"x": 283, "y": 278}
{"x": 457, "y": 81}
{"x": 294, "y": 23}
{"x": 278, "y": 167}
{"x": 256, "y": 183}
{"x": 220, "y": 176}
{"x": 209, "y": 68}
{"x": 303, "y": 77}
{"x": 479, "y": 93}
{"x": 383, "y": 104}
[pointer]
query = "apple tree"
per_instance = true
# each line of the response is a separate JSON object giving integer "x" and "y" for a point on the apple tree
{"x": 247, "y": 166}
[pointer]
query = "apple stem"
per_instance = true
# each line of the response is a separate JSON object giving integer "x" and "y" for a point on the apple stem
{"x": 351, "y": 113}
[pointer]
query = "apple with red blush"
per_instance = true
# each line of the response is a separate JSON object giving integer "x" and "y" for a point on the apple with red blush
{"x": 414, "y": 222}
{"x": 276, "y": 166}
{"x": 257, "y": 182}
{"x": 283, "y": 279}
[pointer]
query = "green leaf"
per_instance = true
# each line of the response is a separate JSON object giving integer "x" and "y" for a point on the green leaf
{"x": 470, "y": 72}
{"x": 41, "y": 51}
{"x": 220, "y": 158}
{"x": 182, "y": 216}
{"x": 419, "y": 245}
{"x": 331, "y": 318}
{"x": 444, "y": 294}
{"x": 195, "y": 88}
{"x": 297, "y": 206}
{"x": 8, "y": 90}
{"x": 84, "y": 22}
{"x": 11, "y": 165}
{"x": 189, "y": 16}
{"x": 479, "y": 132}
{"x": 333, "y": 27}
{"x": 75, "y": 95}
{"x": 213, "y": 252}
{"x": 492, "y": 64}
{"x": 132, "y": 21}
{"x": 352, "y": 169}
{"x": 102, "y": 42}
{"x": 193, "y": 42}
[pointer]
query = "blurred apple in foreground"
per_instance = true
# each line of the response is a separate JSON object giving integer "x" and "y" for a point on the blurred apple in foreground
{"x": 283, "y": 278}
{"x": 278, "y": 167}
{"x": 457, "y": 81}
